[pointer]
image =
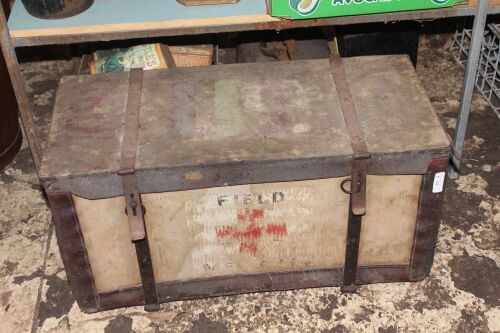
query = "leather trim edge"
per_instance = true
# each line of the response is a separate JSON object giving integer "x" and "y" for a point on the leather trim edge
{"x": 251, "y": 283}
{"x": 430, "y": 209}
{"x": 73, "y": 251}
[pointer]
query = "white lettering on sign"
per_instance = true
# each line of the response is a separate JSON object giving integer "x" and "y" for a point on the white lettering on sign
{"x": 357, "y": 2}
{"x": 438, "y": 185}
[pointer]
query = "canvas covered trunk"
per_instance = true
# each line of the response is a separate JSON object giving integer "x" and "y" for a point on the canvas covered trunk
{"x": 249, "y": 177}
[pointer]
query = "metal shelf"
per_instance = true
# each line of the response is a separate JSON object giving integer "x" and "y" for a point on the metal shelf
{"x": 488, "y": 76}
{"x": 128, "y": 19}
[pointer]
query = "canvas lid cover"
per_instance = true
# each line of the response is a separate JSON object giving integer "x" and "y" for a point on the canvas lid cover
{"x": 236, "y": 124}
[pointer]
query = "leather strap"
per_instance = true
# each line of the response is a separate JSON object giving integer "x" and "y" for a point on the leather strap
{"x": 151, "y": 302}
{"x": 169, "y": 58}
{"x": 128, "y": 156}
{"x": 357, "y": 202}
{"x": 132, "y": 112}
{"x": 133, "y": 204}
{"x": 347, "y": 105}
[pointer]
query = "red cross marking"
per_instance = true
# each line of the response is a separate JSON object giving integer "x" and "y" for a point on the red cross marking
{"x": 249, "y": 228}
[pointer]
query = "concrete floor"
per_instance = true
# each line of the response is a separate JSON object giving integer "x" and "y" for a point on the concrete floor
{"x": 461, "y": 295}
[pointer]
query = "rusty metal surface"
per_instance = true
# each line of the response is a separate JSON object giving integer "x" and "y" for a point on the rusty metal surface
{"x": 277, "y": 25}
{"x": 261, "y": 120}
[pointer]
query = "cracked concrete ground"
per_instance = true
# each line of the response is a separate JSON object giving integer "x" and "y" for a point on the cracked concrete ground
{"x": 461, "y": 294}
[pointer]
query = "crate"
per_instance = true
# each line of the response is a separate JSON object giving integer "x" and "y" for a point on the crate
{"x": 488, "y": 77}
{"x": 242, "y": 172}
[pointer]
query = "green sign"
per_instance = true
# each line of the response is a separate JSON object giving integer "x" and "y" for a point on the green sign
{"x": 305, "y": 9}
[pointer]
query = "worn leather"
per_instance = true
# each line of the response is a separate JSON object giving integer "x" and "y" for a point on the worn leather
{"x": 73, "y": 251}
{"x": 430, "y": 211}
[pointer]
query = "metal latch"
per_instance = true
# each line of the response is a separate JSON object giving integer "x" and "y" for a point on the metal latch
{"x": 358, "y": 184}
{"x": 134, "y": 209}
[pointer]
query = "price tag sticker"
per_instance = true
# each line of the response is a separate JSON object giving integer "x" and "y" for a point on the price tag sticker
{"x": 438, "y": 185}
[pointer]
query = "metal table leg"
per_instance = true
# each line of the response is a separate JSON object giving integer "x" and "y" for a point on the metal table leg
{"x": 469, "y": 83}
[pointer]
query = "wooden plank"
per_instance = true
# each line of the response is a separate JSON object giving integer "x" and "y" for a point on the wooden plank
{"x": 266, "y": 228}
{"x": 104, "y": 21}
{"x": 120, "y": 15}
{"x": 144, "y": 26}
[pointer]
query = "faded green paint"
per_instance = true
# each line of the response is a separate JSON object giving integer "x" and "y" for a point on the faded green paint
{"x": 229, "y": 121}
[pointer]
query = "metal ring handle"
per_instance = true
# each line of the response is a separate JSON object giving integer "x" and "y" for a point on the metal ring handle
{"x": 342, "y": 186}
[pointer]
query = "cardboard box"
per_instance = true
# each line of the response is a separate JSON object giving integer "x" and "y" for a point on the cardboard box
{"x": 310, "y": 9}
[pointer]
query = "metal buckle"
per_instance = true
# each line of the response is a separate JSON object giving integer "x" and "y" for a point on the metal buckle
{"x": 358, "y": 185}
{"x": 134, "y": 208}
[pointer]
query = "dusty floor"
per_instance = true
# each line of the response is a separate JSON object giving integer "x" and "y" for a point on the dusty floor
{"x": 461, "y": 295}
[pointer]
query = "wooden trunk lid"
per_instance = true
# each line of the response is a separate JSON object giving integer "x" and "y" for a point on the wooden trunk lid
{"x": 237, "y": 124}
